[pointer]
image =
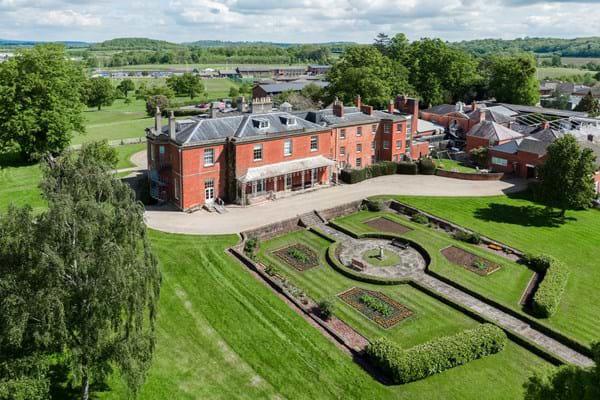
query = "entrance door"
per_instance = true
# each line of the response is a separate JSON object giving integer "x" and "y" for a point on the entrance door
{"x": 530, "y": 172}
{"x": 209, "y": 191}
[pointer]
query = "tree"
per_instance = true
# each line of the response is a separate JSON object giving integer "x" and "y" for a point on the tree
{"x": 95, "y": 241}
{"x": 159, "y": 101}
{"x": 589, "y": 104}
{"x": 313, "y": 92}
{"x": 382, "y": 43}
{"x": 364, "y": 71}
{"x": 186, "y": 84}
{"x": 556, "y": 60}
{"x": 566, "y": 177}
{"x": 100, "y": 92}
{"x": 40, "y": 101}
{"x": 233, "y": 92}
{"x": 438, "y": 72}
{"x": 126, "y": 86}
{"x": 479, "y": 156}
{"x": 512, "y": 79}
{"x": 560, "y": 101}
{"x": 567, "y": 382}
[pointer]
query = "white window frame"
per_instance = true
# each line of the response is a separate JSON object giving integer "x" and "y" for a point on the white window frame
{"x": 374, "y": 128}
{"x": 359, "y": 131}
{"x": 399, "y": 126}
{"x": 398, "y": 144}
{"x": 386, "y": 128}
{"x": 259, "y": 148}
{"x": 288, "y": 147}
{"x": 358, "y": 162}
{"x": 358, "y": 147}
{"x": 342, "y": 150}
{"x": 343, "y": 133}
{"x": 503, "y": 162}
{"x": 210, "y": 151}
{"x": 373, "y": 145}
{"x": 314, "y": 141}
{"x": 386, "y": 144}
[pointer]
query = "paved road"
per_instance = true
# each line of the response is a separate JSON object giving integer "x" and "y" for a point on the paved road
{"x": 239, "y": 219}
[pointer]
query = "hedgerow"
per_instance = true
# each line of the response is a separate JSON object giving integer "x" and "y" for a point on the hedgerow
{"x": 438, "y": 355}
{"x": 549, "y": 293}
{"x": 407, "y": 168}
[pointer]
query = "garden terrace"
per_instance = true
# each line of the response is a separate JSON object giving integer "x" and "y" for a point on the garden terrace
{"x": 376, "y": 306}
{"x": 518, "y": 222}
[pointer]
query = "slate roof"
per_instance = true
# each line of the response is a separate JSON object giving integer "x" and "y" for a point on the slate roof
{"x": 494, "y": 131}
{"x": 509, "y": 147}
{"x": 426, "y": 126}
{"x": 490, "y": 115}
{"x": 352, "y": 115}
{"x": 541, "y": 110}
{"x": 207, "y": 130}
{"x": 441, "y": 109}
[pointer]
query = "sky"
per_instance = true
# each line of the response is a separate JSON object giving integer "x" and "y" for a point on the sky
{"x": 296, "y": 21}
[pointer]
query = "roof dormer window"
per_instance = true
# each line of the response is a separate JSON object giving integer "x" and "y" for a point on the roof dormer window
{"x": 288, "y": 120}
{"x": 260, "y": 123}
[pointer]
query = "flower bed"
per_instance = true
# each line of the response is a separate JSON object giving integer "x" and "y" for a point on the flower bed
{"x": 298, "y": 256}
{"x": 385, "y": 225}
{"x": 470, "y": 261}
{"x": 376, "y": 306}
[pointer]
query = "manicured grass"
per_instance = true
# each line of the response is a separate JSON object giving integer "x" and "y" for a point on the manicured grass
{"x": 525, "y": 225}
{"x": 453, "y": 165}
{"x": 431, "y": 319}
{"x": 125, "y": 153}
{"x": 389, "y": 258}
{"x": 505, "y": 285}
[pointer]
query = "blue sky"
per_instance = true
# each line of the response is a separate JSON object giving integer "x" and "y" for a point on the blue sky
{"x": 295, "y": 20}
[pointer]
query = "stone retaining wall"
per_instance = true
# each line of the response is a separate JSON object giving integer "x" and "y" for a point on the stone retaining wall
{"x": 338, "y": 211}
{"x": 275, "y": 229}
{"x": 490, "y": 176}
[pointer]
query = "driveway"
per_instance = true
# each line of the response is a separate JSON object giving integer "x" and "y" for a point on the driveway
{"x": 239, "y": 219}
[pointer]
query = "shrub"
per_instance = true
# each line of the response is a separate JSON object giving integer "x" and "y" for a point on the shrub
{"x": 426, "y": 166}
{"x": 468, "y": 237}
{"x": 407, "y": 168}
{"x": 297, "y": 255}
{"x": 250, "y": 246}
{"x": 376, "y": 305}
{"x": 539, "y": 263}
{"x": 374, "y": 170}
{"x": 438, "y": 355}
{"x": 374, "y": 205}
{"x": 549, "y": 293}
{"x": 353, "y": 175}
{"x": 420, "y": 219}
{"x": 388, "y": 167}
{"x": 326, "y": 308}
{"x": 271, "y": 270}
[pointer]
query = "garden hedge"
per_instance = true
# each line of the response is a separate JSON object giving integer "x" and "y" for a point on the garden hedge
{"x": 438, "y": 355}
{"x": 426, "y": 166}
{"x": 371, "y": 171}
{"x": 407, "y": 168}
{"x": 353, "y": 175}
{"x": 549, "y": 293}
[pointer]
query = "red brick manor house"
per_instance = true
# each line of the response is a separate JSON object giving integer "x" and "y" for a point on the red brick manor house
{"x": 251, "y": 157}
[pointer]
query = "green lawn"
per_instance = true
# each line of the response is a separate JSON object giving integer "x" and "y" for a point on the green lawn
{"x": 505, "y": 285}
{"x": 223, "y": 335}
{"x": 125, "y": 153}
{"x": 453, "y": 165}
{"x": 523, "y": 224}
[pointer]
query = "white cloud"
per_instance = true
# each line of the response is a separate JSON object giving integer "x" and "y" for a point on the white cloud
{"x": 294, "y": 20}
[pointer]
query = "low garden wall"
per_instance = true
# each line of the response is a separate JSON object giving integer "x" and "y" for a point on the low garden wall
{"x": 339, "y": 211}
{"x": 470, "y": 176}
{"x": 275, "y": 229}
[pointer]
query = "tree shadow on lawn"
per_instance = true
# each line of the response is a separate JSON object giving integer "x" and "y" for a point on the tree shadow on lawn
{"x": 12, "y": 158}
{"x": 527, "y": 215}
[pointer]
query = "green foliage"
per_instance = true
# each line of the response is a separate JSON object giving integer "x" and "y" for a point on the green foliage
{"x": 298, "y": 255}
{"x": 186, "y": 84}
{"x": 468, "y": 237}
{"x": 408, "y": 168}
{"x": 589, "y": 104}
{"x": 353, "y": 175}
{"x": 566, "y": 177}
{"x": 426, "y": 166}
{"x": 512, "y": 79}
{"x": 250, "y": 246}
{"x": 364, "y": 71}
{"x": 567, "y": 382}
{"x": 479, "y": 156}
{"x": 438, "y": 355}
{"x": 376, "y": 305}
{"x": 374, "y": 205}
{"x": 579, "y": 47}
{"x": 326, "y": 308}
{"x": 549, "y": 293}
{"x": 40, "y": 101}
{"x": 480, "y": 264}
{"x": 160, "y": 101}
{"x": 540, "y": 262}
{"x": 99, "y": 92}
{"x": 313, "y": 92}
{"x": 24, "y": 378}
{"x": 420, "y": 219}
{"x": 126, "y": 86}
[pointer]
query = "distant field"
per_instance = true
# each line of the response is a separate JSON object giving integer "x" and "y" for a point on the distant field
{"x": 555, "y": 72}
{"x": 190, "y": 67}
{"x": 580, "y": 60}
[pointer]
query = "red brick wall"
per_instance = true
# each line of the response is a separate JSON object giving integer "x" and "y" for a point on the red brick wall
{"x": 474, "y": 142}
{"x": 446, "y": 120}
{"x": 517, "y": 163}
{"x": 350, "y": 144}
{"x": 419, "y": 149}
{"x": 195, "y": 173}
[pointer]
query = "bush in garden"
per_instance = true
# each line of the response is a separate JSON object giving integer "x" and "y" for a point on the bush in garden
{"x": 353, "y": 175}
{"x": 326, "y": 308}
{"x": 426, "y": 166}
{"x": 539, "y": 263}
{"x": 407, "y": 168}
{"x": 469, "y": 237}
{"x": 374, "y": 205}
{"x": 549, "y": 293}
{"x": 438, "y": 355}
{"x": 250, "y": 246}
{"x": 388, "y": 167}
{"x": 420, "y": 219}
{"x": 374, "y": 170}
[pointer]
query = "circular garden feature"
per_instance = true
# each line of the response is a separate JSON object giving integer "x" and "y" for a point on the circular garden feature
{"x": 372, "y": 257}
{"x": 299, "y": 256}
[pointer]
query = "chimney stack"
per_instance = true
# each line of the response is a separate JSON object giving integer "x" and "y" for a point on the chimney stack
{"x": 213, "y": 110}
{"x": 157, "y": 121}
{"x": 390, "y": 107}
{"x": 172, "y": 126}
{"x": 412, "y": 107}
{"x": 546, "y": 125}
{"x": 338, "y": 108}
{"x": 358, "y": 101}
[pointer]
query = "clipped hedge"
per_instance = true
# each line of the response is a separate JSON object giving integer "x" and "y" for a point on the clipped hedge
{"x": 426, "y": 166}
{"x": 371, "y": 171}
{"x": 438, "y": 355}
{"x": 407, "y": 168}
{"x": 548, "y": 295}
{"x": 353, "y": 175}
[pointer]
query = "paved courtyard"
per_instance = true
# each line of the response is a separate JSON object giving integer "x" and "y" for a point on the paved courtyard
{"x": 239, "y": 219}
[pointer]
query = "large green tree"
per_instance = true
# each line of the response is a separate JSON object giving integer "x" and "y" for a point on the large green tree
{"x": 186, "y": 84}
{"x": 440, "y": 73}
{"x": 566, "y": 177}
{"x": 78, "y": 281}
{"x": 512, "y": 79}
{"x": 125, "y": 86}
{"x": 589, "y": 104}
{"x": 40, "y": 101}
{"x": 364, "y": 71}
{"x": 99, "y": 92}
{"x": 567, "y": 382}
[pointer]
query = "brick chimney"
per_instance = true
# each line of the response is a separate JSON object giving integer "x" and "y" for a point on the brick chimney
{"x": 546, "y": 125}
{"x": 412, "y": 107}
{"x": 401, "y": 103}
{"x": 172, "y": 126}
{"x": 338, "y": 108}
{"x": 390, "y": 107}
{"x": 358, "y": 101}
{"x": 365, "y": 109}
{"x": 157, "y": 121}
